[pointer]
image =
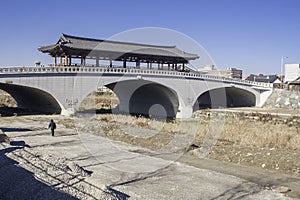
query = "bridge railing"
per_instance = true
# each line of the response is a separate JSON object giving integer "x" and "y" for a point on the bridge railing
{"x": 118, "y": 70}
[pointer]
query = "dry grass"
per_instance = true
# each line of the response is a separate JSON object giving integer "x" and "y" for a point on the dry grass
{"x": 68, "y": 123}
{"x": 99, "y": 100}
{"x": 171, "y": 127}
{"x": 6, "y": 100}
{"x": 261, "y": 134}
{"x": 106, "y": 118}
{"x": 232, "y": 129}
{"x": 140, "y": 122}
{"x": 162, "y": 126}
{"x": 113, "y": 128}
{"x": 242, "y": 131}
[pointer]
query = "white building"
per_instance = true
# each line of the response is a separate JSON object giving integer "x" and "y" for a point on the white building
{"x": 292, "y": 72}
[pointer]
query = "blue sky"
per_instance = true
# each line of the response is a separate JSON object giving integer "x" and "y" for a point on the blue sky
{"x": 247, "y": 34}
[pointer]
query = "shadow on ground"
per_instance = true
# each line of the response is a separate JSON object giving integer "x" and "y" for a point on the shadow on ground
{"x": 18, "y": 183}
{"x": 4, "y": 129}
{"x": 15, "y": 111}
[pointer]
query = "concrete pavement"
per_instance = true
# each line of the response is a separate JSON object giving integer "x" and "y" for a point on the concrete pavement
{"x": 118, "y": 166}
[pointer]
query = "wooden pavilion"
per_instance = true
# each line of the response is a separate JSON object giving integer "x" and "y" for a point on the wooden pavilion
{"x": 70, "y": 47}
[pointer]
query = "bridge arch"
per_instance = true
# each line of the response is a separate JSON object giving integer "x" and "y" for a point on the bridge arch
{"x": 32, "y": 98}
{"x": 225, "y": 97}
{"x": 142, "y": 97}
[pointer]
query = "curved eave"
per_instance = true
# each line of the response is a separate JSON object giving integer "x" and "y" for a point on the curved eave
{"x": 186, "y": 56}
{"x": 52, "y": 50}
{"x": 60, "y": 49}
{"x": 49, "y": 48}
{"x": 191, "y": 57}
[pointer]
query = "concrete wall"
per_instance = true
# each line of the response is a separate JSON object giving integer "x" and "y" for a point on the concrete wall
{"x": 283, "y": 99}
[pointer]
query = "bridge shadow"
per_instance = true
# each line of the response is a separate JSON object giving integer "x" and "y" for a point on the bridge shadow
{"x": 91, "y": 113}
{"x": 19, "y": 183}
{"x": 4, "y": 129}
{"x": 20, "y": 144}
{"x": 15, "y": 111}
{"x": 101, "y": 111}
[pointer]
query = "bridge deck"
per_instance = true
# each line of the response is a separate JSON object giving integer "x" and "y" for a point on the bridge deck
{"x": 138, "y": 72}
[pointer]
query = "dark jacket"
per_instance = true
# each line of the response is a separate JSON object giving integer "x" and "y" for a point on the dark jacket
{"x": 52, "y": 125}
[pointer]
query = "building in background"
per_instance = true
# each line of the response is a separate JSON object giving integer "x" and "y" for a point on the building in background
{"x": 292, "y": 72}
{"x": 263, "y": 78}
{"x": 228, "y": 73}
{"x": 294, "y": 85}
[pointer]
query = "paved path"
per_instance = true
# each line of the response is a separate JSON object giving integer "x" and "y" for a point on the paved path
{"x": 119, "y": 167}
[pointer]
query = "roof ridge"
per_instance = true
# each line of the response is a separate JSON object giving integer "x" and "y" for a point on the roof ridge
{"x": 65, "y": 36}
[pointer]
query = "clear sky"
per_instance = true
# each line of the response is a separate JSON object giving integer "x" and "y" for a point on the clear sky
{"x": 249, "y": 34}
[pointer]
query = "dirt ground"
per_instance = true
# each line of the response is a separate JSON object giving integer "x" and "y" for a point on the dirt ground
{"x": 258, "y": 138}
{"x": 262, "y": 141}
{"x": 62, "y": 163}
{"x": 243, "y": 141}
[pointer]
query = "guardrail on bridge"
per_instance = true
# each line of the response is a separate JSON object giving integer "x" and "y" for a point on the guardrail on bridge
{"x": 118, "y": 70}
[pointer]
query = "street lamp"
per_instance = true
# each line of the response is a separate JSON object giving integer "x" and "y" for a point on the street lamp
{"x": 281, "y": 68}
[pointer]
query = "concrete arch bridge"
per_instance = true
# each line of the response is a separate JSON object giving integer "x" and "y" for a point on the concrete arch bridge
{"x": 140, "y": 91}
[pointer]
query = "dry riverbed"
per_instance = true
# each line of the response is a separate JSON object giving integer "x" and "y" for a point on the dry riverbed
{"x": 235, "y": 139}
{"x": 259, "y": 140}
{"x": 263, "y": 141}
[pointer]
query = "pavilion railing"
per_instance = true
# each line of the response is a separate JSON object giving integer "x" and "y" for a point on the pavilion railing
{"x": 118, "y": 70}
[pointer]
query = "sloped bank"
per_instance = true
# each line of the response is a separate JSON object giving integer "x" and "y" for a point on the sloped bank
{"x": 283, "y": 99}
{"x": 267, "y": 141}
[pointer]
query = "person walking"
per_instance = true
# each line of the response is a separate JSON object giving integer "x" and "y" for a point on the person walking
{"x": 52, "y": 126}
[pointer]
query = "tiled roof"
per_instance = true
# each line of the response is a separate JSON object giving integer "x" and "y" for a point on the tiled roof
{"x": 262, "y": 78}
{"x": 80, "y": 44}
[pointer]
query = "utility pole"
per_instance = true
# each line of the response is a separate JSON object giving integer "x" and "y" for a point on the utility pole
{"x": 281, "y": 69}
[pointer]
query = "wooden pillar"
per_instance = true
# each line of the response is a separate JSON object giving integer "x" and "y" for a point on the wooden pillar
{"x": 110, "y": 63}
{"x": 60, "y": 61}
{"x": 124, "y": 63}
{"x": 70, "y": 60}
{"x": 55, "y": 61}
{"x": 138, "y": 64}
{"x": 169, "y": 65}
{"x": 66, "y": 60}
{"x": 150, "y": 64}
{"x": 97, "y": 61}
{"x": 83, "y": 61}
